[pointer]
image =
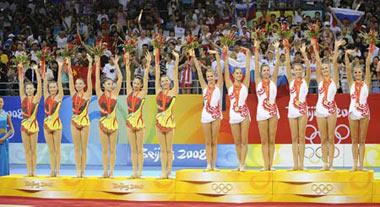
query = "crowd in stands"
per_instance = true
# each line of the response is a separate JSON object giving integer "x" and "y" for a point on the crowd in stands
{"x": 26, "y": 26}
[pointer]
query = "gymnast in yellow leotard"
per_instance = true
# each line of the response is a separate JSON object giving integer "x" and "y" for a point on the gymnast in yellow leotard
{"x": 29, "y": 124}
{"x": 165, "y": 123}
{"x": 80, "y": 122}
{"x": 108, "y": 124}
{"x": 137, "y": 92}
{"x": 53, "y": 95}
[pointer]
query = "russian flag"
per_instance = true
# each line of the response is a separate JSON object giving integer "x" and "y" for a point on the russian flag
{"x": 243, "y": 7}
{"x": 350, "y": 14}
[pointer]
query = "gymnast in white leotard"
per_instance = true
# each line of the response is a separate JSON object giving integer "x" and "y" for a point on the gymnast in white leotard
{"x": 297, "y": 108}
{"x": 267, "y": 111}
{"x": 239, "y": 112}
{"x": 326, "y": 106}
{"x": 359, "y": 110}
{"x": 212, "y": 110}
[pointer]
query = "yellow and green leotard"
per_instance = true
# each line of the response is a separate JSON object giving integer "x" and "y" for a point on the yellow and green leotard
{"x": 29, "y": 122}
{"x": 80, "y": 112}
{"x": 52, "y": 122}
{"x": 165, "y": 118}
{"x": 134, "y": 118}
{"x": 108, "y": 122}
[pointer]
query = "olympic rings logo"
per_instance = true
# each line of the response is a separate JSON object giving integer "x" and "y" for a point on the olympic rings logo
{"x": 322, "y": 189}
{"x": 338, "y": 134}
{"x": 221, "y": 188}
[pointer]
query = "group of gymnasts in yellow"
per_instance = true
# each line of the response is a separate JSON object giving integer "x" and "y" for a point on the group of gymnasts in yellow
{"x": 107, "y": 92}
{"x": 239, "y": 117}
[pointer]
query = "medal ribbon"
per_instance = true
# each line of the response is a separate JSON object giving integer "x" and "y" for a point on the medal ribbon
{"x": 358, "y": 89}
{"x": 236, "y": 93}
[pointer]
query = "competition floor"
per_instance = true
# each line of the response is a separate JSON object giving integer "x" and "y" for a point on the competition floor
{"x": 192, "y": 187}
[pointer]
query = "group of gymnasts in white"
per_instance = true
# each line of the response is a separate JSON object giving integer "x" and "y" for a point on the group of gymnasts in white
{"x": 239, "y": 116}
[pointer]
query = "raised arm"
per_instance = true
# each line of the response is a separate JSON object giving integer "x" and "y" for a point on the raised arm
{"x": 276, "y": 67}
{"x": 157, "y": 71}
{"x": 227, "y": 78}
{"x": 318, "y": 60}
{"x": 59, "y": 80}
{"x": 20, "y": 70}
{"x": 45, "y": 82}
{"x": 288, "y": 66}
{"x": 307, "y": 62}
{"x": 148, "y": 58}
{"x": 89, "y": 73}
{"x": 128, "y": 72}
{"x": 119, "y": 82}
{"x": 335, "y": 61}
{"x": 39, "y": 84}
{"x": 71, "y": 78}
{"x": 218, "y": 67}
{"x": 199, "y": 70}
{"x": 175, "y": 73}
{"x": 257, "y": 62}
{"x": 248, "y": 55}
{"x": 98, "y": 88}
{"x": 368, "y": 79}
{"x": 348, "y": 67}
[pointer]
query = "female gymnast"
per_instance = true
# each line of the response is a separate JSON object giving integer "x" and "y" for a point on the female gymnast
{"x": 212, "y": 110}
{"x": 80, "y": 122}
{"x": 239, "y": 112}
{"x": 267, "y": 111}
{"x": 53, "y": 95}
{"x": 29, "y": 124}
{"x": 136, "y": 93}
{"x": 165, "y": 124}
{"x": 359, "y": 109}
{"x": 108, "y": 125}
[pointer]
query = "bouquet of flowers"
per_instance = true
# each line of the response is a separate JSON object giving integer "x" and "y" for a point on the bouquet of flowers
{"x": 21, "y": 59}
{"x": 371, "y": 38}
{"x": 68, "y": 51}
{"x": 96, "y": 50}
{"x": 129, "y": 44}
{"x": 259, "y": 34}
{"x": 313, "y": 33}
{"x": 228, "y": 40}
{"x": 44, "y": 55}
{"x": 285, "y": 32}
{"x": 158, "y": 43}
{"x": 191, "y": 42}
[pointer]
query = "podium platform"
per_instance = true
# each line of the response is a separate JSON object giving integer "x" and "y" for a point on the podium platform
{"x": 147, "y": 189}
{"x": 224, "y": 186}
{"x": 227, "y": 186}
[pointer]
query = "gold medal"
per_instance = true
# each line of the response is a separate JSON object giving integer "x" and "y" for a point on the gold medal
{"x": 236, "y": 108}
{"x": 297, "y": 102}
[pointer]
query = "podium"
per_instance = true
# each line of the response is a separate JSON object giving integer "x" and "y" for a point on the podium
{"x": 147, "y": 189}
{"x": 196, "y": 185}
{"x": 317, "y": 186}
{"x": 224, "y": 186}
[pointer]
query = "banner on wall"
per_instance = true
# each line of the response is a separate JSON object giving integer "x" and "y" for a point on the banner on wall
{"x": 187, "y": 114}
{"x": 189, "y": 149}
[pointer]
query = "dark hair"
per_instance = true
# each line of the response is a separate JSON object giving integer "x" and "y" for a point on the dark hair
{"x": 138, "y": 77}
{"x": 105, "y": 79}
{"x": 29, "y": 83}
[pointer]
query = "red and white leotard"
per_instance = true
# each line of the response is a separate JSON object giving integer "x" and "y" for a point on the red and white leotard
{"x": 359, "y": 106}
{"x": 212, "y": 109}
{"x": 238, "y": 106}
{"x": 297, "y": 104}
{"x": 326, "y": 105}
{"x": 266, "y": 92}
